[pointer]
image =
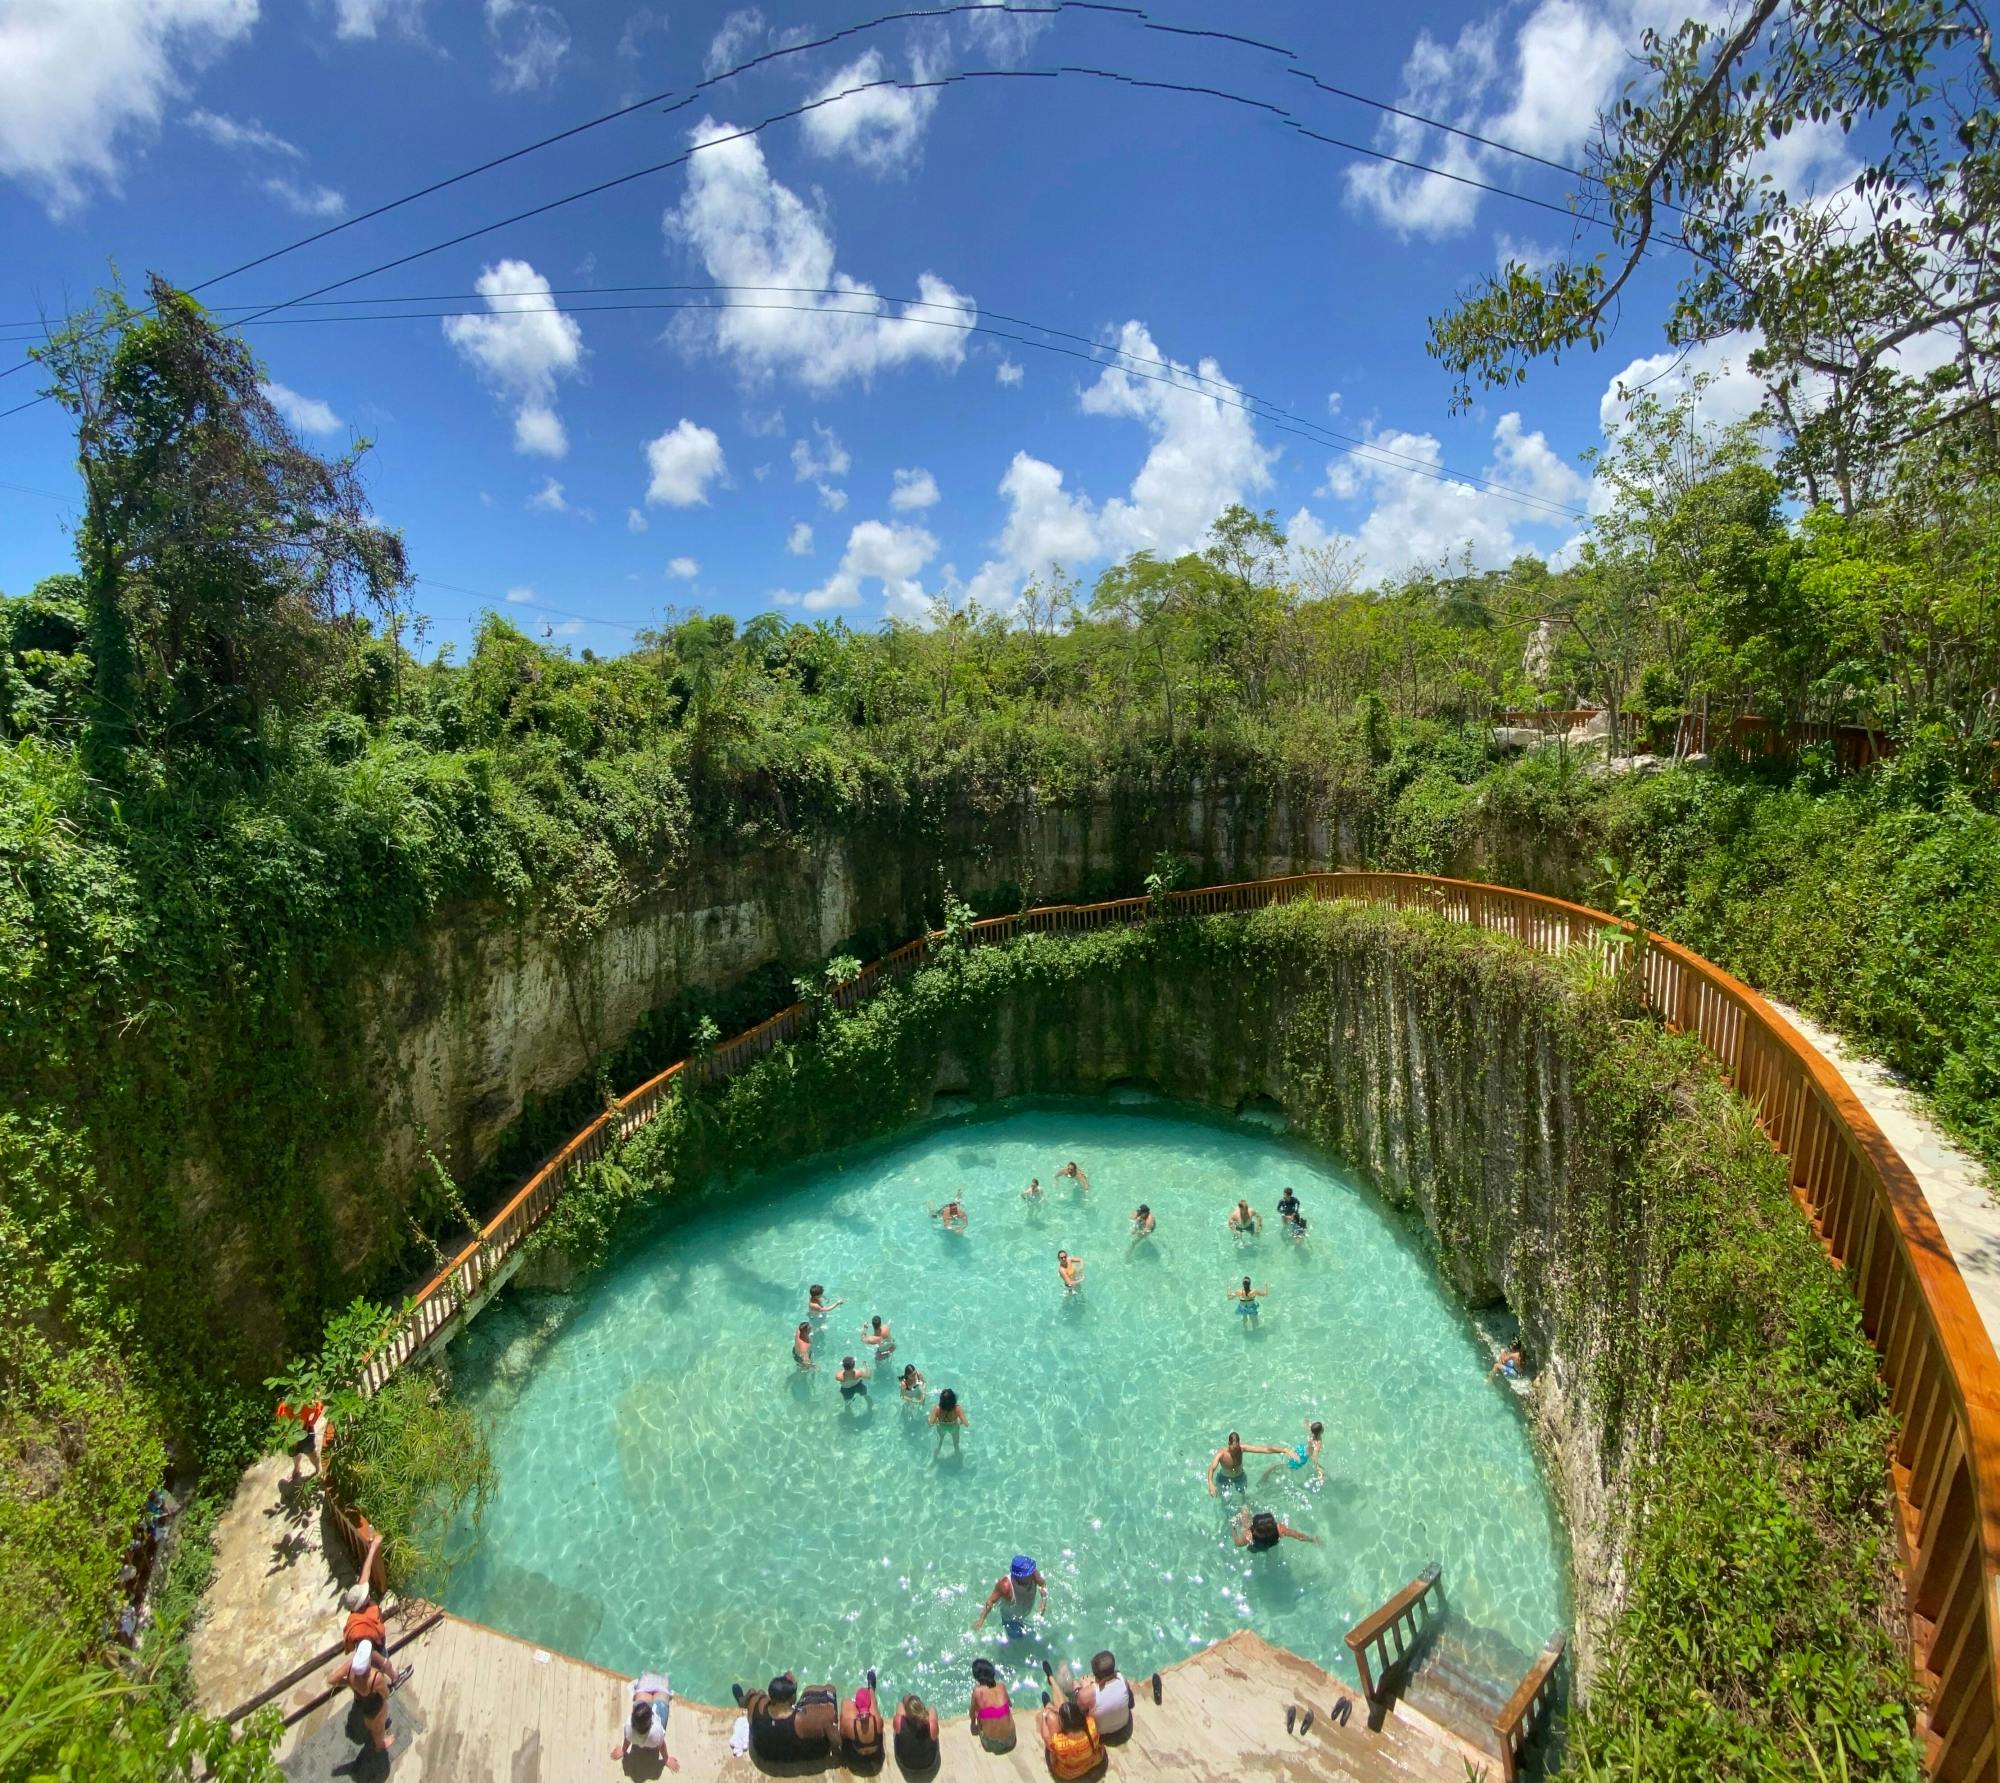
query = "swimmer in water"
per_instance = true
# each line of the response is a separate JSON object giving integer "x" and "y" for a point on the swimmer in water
{"x": 1022, "y": 1588}
{"x": 817, "y": 1303}
{"x": 1074, "y": 1171}
{"x": 1288, "y": 1203}
{"x": 1033, "y": 1192}
{"x": 1295, "y": 1228}
{"x": 1071, "y": 1270}
{"x": 948, "y": 1414}
{"x": 850, "y": 1379}
{"x": 1246, "y": 1219}
{"x": 1142, "y": 1222}
{"x": 877, "y": 1336}
{"x": 802, "y": 1345}
{"x": 1227, "y": 1467}
{"x": 951, "y": 1216}
{"x": 1262, "y": 1531}
{"x": 911, "y": 1383}
{"x": 1306, "y": 1454}
{"x": 1246, "y": 1297}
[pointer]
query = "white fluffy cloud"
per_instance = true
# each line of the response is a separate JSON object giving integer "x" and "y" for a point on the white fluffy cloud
{"x": 529, "y": 41}
{"x": 549, "y": 498}
{"x": 735, "y": 42}
{"x": 307, "y": 413}
{"x": 1007, "y": 372}
{"x": 306, "y": 200}
{"x": 366, "y": 18}
{"x": 682, "y": 463}
{"x": 232, "y": 133}
{"x": 1205, "y": 452}
{"x": 748, "y": 230}
{"x": 520, "y": 594}
{"x": 879, "y": 127}
{"x": 876, "y": 551}
{"x": 78, "y": 81}
{"x": 1541, "y": 92}
{"x": 914, "y": 489}
{"x": 827, "y": 458}
{"x": 799, "y": 541}
{"x": 635, "y": 521}
{"x": 1415, "y": 516}
{"x": 520, "y": 349}
{"x": 684, "y": 568}
{"x": 1204, "y": 456}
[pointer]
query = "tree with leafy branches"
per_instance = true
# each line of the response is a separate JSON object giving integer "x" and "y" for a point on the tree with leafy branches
{"x": 1869, "y": 307}
{"x": 216, "y": 550}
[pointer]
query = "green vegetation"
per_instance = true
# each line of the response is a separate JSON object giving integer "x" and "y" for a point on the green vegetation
{"x": 235, "y": 783}
{"x": 1739, "y": 1415}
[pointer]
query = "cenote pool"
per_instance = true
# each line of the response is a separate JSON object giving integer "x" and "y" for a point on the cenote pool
{"x": 673, "y": 1491}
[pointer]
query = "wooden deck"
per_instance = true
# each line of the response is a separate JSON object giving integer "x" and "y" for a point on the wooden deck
{"x": 481, "y": 1704}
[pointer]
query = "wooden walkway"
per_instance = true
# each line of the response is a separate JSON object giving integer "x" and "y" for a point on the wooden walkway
{"x": 481, "y": 1704}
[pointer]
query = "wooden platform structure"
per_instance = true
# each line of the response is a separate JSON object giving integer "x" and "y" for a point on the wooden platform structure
{"x": 480, "y": 1704}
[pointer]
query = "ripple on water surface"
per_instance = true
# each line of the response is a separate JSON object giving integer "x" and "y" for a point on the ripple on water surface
{"x": 672, "y": 1490}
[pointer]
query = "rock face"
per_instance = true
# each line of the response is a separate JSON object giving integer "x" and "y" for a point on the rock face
{"x": 490, "y": 1010}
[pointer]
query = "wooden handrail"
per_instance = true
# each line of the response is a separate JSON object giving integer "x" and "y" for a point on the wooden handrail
{"x": 1518, "y": 1723}
{"x": 1374, "y": 1631}
{"x": 1867, "y": 1208}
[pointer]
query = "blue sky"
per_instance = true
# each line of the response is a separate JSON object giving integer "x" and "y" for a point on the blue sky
{"x": 605, "y": 467}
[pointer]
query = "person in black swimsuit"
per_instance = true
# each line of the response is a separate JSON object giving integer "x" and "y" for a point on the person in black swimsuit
{"x": 916, "y": 1735}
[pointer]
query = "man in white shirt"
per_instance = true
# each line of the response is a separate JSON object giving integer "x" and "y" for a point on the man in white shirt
{"x": 1105, "y": 1693}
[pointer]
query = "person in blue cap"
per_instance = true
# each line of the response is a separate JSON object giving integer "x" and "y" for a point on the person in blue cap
{"x": 1017, "y": 1587}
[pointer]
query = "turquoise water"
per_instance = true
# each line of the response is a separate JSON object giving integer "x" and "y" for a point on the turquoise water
{"x": 674, "y": 1491}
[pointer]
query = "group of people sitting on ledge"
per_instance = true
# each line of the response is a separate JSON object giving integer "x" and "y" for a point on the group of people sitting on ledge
{"x": 787, "y": 1722}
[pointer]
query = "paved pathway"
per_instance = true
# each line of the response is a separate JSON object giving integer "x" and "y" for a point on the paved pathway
{"x": 480, "y": 1704}
{"x": 275, "y": 1598}
{"x": 1954, "y": 1182}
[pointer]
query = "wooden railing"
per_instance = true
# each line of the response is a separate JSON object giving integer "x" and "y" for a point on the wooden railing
{"x": 1869, "y": 1211}
{"x": 1527, "y": 1709}
{"x": 1398, "y": 1621}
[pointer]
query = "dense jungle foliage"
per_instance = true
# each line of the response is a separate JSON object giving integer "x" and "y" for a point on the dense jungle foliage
{"x": 233, "y": 779}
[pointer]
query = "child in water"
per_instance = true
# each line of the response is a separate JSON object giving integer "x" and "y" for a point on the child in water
{"x": 1306, "y": 1454}
{"x": 911, "y": 1383}
{"x": 1142, "y": 1222}
{"x": 817, "y": 1303}
{"x": 1033, "y": 1192}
